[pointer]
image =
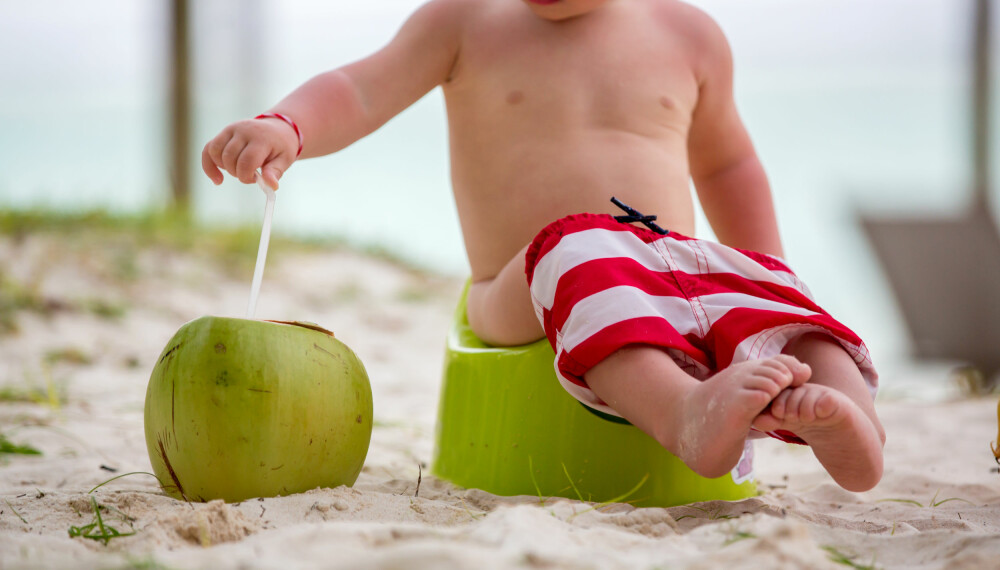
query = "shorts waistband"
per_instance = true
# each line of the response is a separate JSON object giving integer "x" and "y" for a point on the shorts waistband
{"x": 542, "y": 242}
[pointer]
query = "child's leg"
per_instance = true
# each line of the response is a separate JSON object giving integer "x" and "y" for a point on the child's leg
{"x": 834, "y": 413}
{"x": 704, "y": 423}
{"x": 499, "y": 309}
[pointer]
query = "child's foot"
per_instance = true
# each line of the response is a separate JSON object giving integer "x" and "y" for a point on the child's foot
{"x": 841, "y": 435}
{"x": 717, "y": 414}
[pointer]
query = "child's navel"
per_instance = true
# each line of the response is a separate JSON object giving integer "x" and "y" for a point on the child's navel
{"x": 515, "y": 97}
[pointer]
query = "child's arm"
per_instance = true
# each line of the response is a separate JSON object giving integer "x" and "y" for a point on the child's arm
{"x": 338, "y": 107}
{"x": 729, "y": 178}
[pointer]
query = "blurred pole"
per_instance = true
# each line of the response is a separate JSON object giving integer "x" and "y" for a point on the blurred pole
{"x": 180, "y": 108}
{"x": 981, "y": 105}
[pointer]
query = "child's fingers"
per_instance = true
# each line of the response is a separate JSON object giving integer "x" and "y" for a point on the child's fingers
{"x": 213, "y": 153}
{"x": 210, "y": 168}
{"x": 271, "y": 176}
{"x": 231, "y": 154}
{"x": 250, "y": 159}
{"x": 242, "y": 148}
{"x": 211, "y": 156}
{"x": 275, "y": 168}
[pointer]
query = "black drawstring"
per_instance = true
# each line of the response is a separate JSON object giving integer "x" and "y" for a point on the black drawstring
{"x": 637, "y": 216}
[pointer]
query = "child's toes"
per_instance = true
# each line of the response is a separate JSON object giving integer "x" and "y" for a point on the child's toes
{"x": 773, "y": 416}
{"x": 779, "y": 407}
{"x": 826, "y": 405}
{"x": 800, "y": 371}
{"x": 795, "y": 370}
{"x": 766, "y": 422}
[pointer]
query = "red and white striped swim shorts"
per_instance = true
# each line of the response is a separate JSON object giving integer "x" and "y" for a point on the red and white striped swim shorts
{"x": 599, "y": 285}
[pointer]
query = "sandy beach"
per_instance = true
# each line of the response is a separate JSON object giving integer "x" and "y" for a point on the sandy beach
{"x": 87, "y": 317}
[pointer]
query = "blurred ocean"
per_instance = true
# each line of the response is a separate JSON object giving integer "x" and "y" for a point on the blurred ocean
{"x": 854, "y": 106}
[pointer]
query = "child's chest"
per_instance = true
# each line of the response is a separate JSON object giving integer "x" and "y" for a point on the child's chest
{"x": 619, "y": 73}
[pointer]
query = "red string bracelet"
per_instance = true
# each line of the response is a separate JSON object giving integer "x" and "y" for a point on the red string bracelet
{"x": 290, "y": 122}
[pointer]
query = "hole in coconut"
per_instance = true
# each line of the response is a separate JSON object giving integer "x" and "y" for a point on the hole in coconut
{"x": 305, "y": 325}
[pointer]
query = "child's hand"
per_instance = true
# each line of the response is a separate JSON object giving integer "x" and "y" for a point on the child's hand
{"x": 270, "y": 145}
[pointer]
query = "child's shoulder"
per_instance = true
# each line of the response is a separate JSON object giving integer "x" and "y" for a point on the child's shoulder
{"x": 700, "y": 34}
{"x": 440, "y": 20}
{"x": 687, "y": 20}
{"x": 445, "y": 14}
{"x": 451, "y": 7}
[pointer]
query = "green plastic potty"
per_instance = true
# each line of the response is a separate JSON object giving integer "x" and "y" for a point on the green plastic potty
{"x": 506, "y": 426}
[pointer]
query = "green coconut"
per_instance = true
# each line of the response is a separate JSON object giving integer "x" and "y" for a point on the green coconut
{"x": 239, "y": 408}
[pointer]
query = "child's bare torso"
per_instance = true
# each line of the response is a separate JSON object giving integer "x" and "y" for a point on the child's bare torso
{"x": 553, "y": 118}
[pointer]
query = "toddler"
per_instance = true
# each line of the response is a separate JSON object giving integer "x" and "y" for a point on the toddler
{"x": 554, "y": 107}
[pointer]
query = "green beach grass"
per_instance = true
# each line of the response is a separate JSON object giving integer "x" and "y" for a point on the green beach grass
{"x": 235, "y": 246}
{"x": 112, "y": 244}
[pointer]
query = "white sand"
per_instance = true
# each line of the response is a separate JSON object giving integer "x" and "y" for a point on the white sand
{"x": 396, "y": 321}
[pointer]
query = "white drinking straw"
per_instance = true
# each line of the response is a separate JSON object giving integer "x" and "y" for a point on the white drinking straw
{"x": 265, "y": 238}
